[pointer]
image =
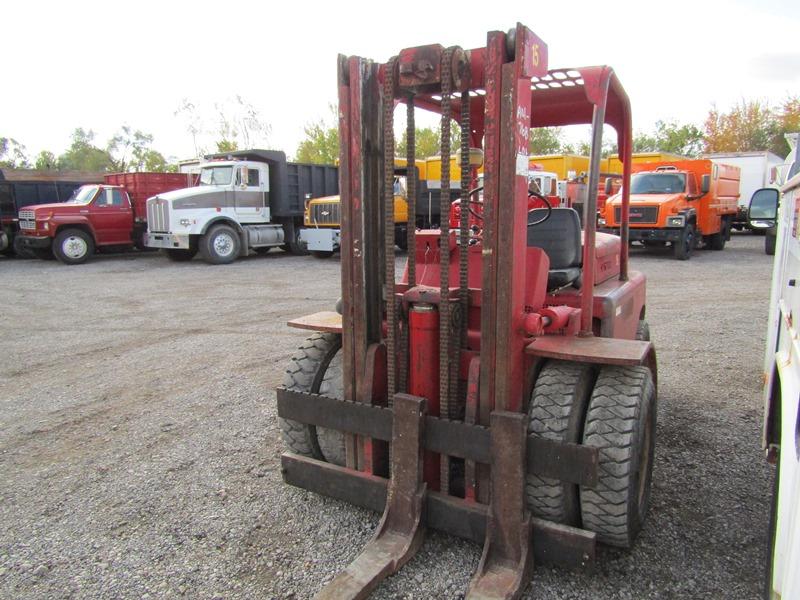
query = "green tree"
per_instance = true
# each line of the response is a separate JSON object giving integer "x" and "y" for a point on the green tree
{"x": 83, "y": 155}
{"x": 12, "y": 154}
{"x": 428, "y": 141}
{"x": 750, "y": 125}
{"x": 686, "y": 139}
{"x": 130, "y": 150}
{"x": 321, "y": 144}
{"x": 787, "y": 121}
{"x": 45, "y": 161}
{"x": 545, "y": 140}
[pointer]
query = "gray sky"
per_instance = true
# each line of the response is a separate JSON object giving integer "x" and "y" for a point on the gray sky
{"x": 100, "y": 65}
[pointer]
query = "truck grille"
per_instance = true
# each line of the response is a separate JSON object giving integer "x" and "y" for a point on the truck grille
{"x": 639, "y": 214}
{"x": 325, "y": 213}
{"x": 158, "y": 215}
{"x": 26, "y": 220}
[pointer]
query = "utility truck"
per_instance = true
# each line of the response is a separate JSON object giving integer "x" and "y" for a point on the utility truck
{"x": 246, "y": 200}
{"x": 686, "y": 203}
{"x": 781, "y": 432}
{"x": 97, "y": 216}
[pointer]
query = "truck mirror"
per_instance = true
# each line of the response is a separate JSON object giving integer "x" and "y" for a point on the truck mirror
{"x": 705, "y": 183}
{"x": 762, "y": 212}
{"x": 609, "y": 186}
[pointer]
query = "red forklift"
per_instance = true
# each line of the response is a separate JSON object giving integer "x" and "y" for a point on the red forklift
{"x": 503, "y": 388}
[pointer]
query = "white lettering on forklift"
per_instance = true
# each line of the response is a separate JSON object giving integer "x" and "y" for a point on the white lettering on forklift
{"x": 522, "y": 164}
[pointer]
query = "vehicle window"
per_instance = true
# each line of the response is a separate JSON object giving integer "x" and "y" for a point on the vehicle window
{"x": 83, "y": 195}
{"x": 116, "y": 197}
{"x": 252, "y": 178}
{"x": 216, "y": 176}
{"x": 103, "y": 198}
{"x": 65, "y": 191}
{"x": 658, "y": 183}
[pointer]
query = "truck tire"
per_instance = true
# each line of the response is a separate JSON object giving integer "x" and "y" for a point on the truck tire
{"x": 73, "y": 246}
{"x": 322, "y": 253}
{"x": 179, "y": 255}
{"x": 316, "y": 367}
{"x": 643, "y": 331}
{"x": 769, "y": 243}
{"x": 220, "y": 245}
{"x": 621, "y": 423}
{"x": 556, "y": 412}
{"x": 683, "y": 247}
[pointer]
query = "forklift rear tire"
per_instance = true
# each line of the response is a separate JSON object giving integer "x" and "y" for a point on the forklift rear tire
{"x": 556, "y": 412}
{"x": 621, "y": 423}
{"x": 316, "y": 367}
{"x": 73, "y": 246}
{"x": 683, "y": 247}
{"x": 220, "y": 245}
{"x": 180, "y": 255}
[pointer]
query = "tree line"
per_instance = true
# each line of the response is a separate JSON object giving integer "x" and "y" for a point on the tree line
{"x": 750, "y": 125}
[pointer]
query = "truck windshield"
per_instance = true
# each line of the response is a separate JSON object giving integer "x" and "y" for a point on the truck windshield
{"x": 216, "y": 176}
{"x": 83, "y": 195}
{"x": 658, "y": 183}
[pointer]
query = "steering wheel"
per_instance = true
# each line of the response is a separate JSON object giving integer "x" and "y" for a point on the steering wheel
{"x": 532, "y": 194}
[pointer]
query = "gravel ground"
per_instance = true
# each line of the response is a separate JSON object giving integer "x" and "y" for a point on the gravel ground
{"x": 139, "y": 447}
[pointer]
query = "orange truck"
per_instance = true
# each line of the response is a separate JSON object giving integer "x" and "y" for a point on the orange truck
{"x": 686, "y": 203}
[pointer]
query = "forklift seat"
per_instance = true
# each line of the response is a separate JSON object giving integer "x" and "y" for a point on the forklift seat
{"x": 560, "y": 238}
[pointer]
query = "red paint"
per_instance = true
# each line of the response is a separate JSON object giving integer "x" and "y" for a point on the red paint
{"x": 423, "y": 326}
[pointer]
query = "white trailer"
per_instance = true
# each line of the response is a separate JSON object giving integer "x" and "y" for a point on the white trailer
{"x": 757, "y": 170}
{"x": 781, "y": 434}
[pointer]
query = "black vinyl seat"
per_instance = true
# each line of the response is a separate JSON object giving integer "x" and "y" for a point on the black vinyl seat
{"x": 560, "y": 238}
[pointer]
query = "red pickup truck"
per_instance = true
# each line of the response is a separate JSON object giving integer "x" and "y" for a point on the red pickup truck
{"x": 108, "y": 215}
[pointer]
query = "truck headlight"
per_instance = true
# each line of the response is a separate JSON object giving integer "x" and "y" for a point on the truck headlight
{"x": 677, "y": 221}
{"x": 185, "y": 222}
{"x": 43, "y": 224}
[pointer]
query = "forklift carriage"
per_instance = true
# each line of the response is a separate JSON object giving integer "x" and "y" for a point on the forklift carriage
{"x": 504, "y": 388}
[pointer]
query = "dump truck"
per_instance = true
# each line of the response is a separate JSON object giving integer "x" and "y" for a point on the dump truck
{"x": 26, "y": 187}
{"x": 245, "y": 200}
{"x": 686, "y": 203}
{"x": 110, "y": 215}
{"x": 781, "y": 424}
{"x": 322, "y": 232}
{"x": 503, "y": 387}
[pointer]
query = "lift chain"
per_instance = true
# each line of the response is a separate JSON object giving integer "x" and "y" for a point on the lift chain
{"x": 444, "y": 240}
{"x": 463, "y": 234}
{"x": 388, "y": 233}
{"x": 411, "y": 225}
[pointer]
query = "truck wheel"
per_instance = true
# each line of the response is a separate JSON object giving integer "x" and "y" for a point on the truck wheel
{"x": 643, "y": 331}
{"x": 73, "y": 246}
{"x": 316, "y": 367}
{"x": 683, "y": 247}
{"x": 769, "y": 243}
{"x": 322, "y": 253}
{"x": 220, "y": 245}
{"x": 139, "y": 243}
{"x": 179, "y": 255}
{"x": 717, "y": 241}
{"x": 621, "y": 423}
{"x": 556, "y": 412}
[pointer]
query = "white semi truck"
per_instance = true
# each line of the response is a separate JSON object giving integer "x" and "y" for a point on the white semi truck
{"x": 781, "y": 434}
{"x": 249, "y": 200}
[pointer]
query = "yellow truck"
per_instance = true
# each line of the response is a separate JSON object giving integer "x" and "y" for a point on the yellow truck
{"x": 322, "y": 216}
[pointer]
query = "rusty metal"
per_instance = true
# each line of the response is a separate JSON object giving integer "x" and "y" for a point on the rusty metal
{"x": 445, "y": 327}
{"x": 599, "y": 350}
{"x": 553, "y": 544}
{"x": 506, "y": 562}
{"x": 401, "y": 530}
{"x": 388, "y": 225}
{"x": 573, "y": 463}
